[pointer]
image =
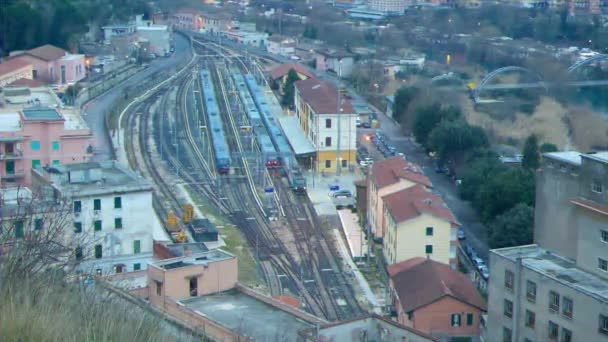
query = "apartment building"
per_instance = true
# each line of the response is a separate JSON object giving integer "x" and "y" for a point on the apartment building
{"x": 32, "y": 136}
{"x": 187, "y": 19}
{"x": 395, "y": 7}
{"x": 329, "y": 123}
{"x": 338, "y": 62}
{"x": 555, "y": 289}
{"x": 53, "y": 65}
{"x": 112, "y": 207}
{"x": 387, "y": 177}
{"x": 419, "y": 224}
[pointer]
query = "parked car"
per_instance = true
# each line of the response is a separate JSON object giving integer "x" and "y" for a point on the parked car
{"x": 485, "y": 272}
{"x": 366, "y": 124}
{"x": 477, "y": 261}
{"x": 343, "y": 199}
{"x": 461, "y": 235}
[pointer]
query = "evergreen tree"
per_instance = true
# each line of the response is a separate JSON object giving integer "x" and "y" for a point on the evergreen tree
{"x": 289, "y": 89}
{"x": 531, "y": 158}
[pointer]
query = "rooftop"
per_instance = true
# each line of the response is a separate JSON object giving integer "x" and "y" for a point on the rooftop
{"x": 25, "y": 96}
{"x": 557, "y": 268}
{"x": 248, "y": 316}
{"x": 47, "y": 52}
{"x": 295, "y": 135}
{"x": 92, "y": 178}
{"x": 389, "y": 171}
{"x": 25, "y": 82}
{"x": 12, "y": 65}
{"x": 571, "y": 157}
{"x": 322, "y": 97}
{"x": 152, "y": 28}
{"x": 283, "y": 69}
{"x": 10, "y": 122}
{"x": 40, "y": 113}
{"x": 203, "y": 258}
{"x": 414, "y": 201}
{"x": 419, "y": 282}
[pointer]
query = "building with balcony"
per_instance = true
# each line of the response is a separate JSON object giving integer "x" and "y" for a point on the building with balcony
{"x": 418, "y": 224}
{"x": 329, "y": 123}
{"x": 433, "y": 298}
{"x": 33, "y": 135}
{"x": 387, "y": 177}
{"x": 111, "y": 208}
{"x": 53, "y": 65}
{"x": 556, "y": 289}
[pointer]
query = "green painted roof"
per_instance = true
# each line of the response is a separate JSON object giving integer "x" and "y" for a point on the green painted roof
{"x": 41, "y": 113}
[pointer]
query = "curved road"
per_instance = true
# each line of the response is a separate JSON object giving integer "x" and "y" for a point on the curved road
{"x": 95, "y": 110}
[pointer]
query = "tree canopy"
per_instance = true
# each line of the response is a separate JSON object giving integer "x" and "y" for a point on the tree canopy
{"x": 403, "y": 98}
{"x": 454, "y": 137}
{"x": 531, "y": 158}
{"x": 289, "y": 88}
{"x": 512, "y": 228}
{"x": 428, "y": 117}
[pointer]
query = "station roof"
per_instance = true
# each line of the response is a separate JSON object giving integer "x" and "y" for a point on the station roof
{"x": 297, "y": 139}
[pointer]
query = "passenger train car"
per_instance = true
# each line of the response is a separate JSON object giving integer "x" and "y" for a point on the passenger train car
{"x": 214, "y": 123}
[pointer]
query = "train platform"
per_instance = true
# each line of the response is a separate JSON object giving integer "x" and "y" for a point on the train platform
{"x": 355, "y": 239}
{"x": 318, "y": 189}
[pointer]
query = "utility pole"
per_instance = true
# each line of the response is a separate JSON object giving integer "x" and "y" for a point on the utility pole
{"x": 338, "y": 111}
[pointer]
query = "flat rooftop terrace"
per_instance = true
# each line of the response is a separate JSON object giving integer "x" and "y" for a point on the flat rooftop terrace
{"x": 248, "y": 316}
{"x": 203, "y": 258}
{"x": 560, "y": 269}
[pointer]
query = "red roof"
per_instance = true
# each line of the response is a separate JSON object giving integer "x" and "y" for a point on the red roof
{"x": 12, "y": 65}
{"x": 322, "y": 97}
{"x": 412, "y": 202}
{"x": 389, "y": 171}
{"x": 47, "y": 52}
{"x": 25, "y": 82}
{"x": 419, "y": 282}
{"x": 283, "y": 69}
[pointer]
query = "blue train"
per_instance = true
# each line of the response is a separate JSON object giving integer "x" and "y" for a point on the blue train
{"x": 296, "y": 179}
{"x": 269, "y": 153}
{"x": 214, "y": 124}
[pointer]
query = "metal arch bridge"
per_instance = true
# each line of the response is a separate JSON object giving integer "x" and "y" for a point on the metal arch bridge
{"x": 483, "y": 85}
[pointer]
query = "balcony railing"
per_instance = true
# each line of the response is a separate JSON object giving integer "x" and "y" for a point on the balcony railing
{"x": 11, "y": 156}
{"x": 13, "y": 175}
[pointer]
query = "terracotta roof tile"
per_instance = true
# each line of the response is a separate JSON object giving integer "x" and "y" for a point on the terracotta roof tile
{"x": 419, "y": 282}
{"x": 412, "y": 202}
{"x": 389, "y": 171}
{"x": 12, "y": 65}
{"x": 322, "y": 97}
{"x": 283, "y": 69}
{"x": 47, "y": 52}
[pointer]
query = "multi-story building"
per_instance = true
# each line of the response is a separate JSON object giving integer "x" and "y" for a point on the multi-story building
{"x": 387, "y": 177}
{"x": 112, "y": 208}
{"x": 40, "y": 135}
{"x": 329, "y": 123}
{"x": 418, "y": 224}
{"x": 53, "y": 65}
{"x": 555, "y": 290}
{"x": 339, "y": 62}
{"x": 158, "y": 37}
{"x": 395, "y": 7}
{"x": 187, "y": 19}
{"x": 13, "y": 70}
{"x": 431, "y": 297}
{"x": 280, "y": 45}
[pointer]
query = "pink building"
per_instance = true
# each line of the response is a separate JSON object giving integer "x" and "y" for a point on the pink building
{"x": 38, "y": 136}
{"x": 187, "y": 19}
{"x": 53, "y": 65}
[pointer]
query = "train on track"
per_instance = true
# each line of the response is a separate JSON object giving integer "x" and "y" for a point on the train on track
{"x": 270, "y": 156}
{"x": 214, "y": 124}
{"x": 286, "y": 157}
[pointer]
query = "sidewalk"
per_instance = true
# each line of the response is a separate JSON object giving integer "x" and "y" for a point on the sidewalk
{"x": 319, "y": 193}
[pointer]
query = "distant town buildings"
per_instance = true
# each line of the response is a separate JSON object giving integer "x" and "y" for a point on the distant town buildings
{"x": 139, "y": 35}
{"x": 281, "y": 45}
{"x": 49, "y": 64}
{"x": 339, "y": 62}
{"x": 111, "y": 207}
{"x": 329, "y": 123}
{"x": 555, "y": 289}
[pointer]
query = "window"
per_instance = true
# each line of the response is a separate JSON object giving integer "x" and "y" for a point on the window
{"x": 531, "y": 291}
{"x": 118, "y": 223}
{"x": 327, "y": 141}
{"x": 566, "y": 335}
{"x": 77, "y": 206}
{"x": 508, "y": 308}
{"x": 98, "y": 251}
{"x": 530, "y": 319}
{"x": 603, "y": 329}
{"x": 56, "y": 162}
{"x": 78, "y": 253}
{"x": 34, "y": 74}
{"x": 553, "y": 331}
{"x": 553, "y": 301}
{"x": 327, "y": 164}
{"x": 18, "y": 229}
{"x": 35, "y": 145}
{"x": 97, "y": 225}
{"x": 77, "y": 227}
{"x": 507, "y": 335}
{"x": 327, "y": 123}
{"x": 136, "y": 247}
{"x": 55, "y": 145}
{"x": 117, "y": 202}
{"x": 604, "y": 234}
{"x": 455, "y": 320}
{"x": 344, "y": 163}
{"x": 509, "y": 279}
{"x": 568, "y": 307}
{"x": 429, "y": 231}
{"x": 602, "y": 264}
{"x": 35, "y": 163}
{"x": 597, "y": 186}
{"x": 469, "y": 319}
{"x": 193, "y": 286}
{"x": 428, "y": 249}
{"x": 136, "y": 267}
{"x": 97, "y": 204}
{"x": 159, "y": 288}
{"x": 38, "y": 224}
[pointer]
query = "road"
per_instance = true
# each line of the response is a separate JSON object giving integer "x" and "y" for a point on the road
{"x": 95, "y": 110}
